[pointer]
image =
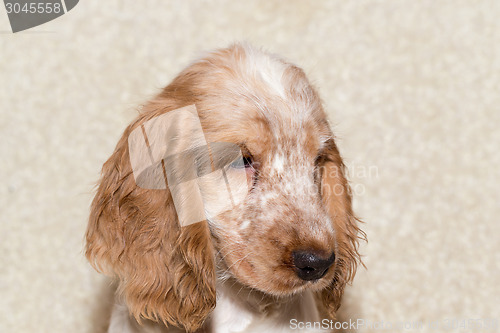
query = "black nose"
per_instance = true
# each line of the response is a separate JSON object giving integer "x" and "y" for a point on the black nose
{"x": 311, "y": 266}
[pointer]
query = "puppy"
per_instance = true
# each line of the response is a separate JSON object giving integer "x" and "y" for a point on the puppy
{"x": 281, "y": 255}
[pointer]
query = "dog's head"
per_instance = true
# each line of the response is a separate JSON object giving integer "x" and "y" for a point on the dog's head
{"x": 294, "y": 230}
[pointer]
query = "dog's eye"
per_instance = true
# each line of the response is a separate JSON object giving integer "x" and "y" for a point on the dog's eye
{"x": 242, "y": 163}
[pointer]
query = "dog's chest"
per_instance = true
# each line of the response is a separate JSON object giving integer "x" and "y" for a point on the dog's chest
{"x": 244, "y": 313}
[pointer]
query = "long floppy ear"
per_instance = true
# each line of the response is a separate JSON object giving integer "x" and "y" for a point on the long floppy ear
{"x": 336, "y": 195}
{"x": 166, "y": 272}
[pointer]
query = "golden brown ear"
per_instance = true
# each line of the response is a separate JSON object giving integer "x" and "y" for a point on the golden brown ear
{"x": 166, "y": 272}
{"x": 336, "y": 195}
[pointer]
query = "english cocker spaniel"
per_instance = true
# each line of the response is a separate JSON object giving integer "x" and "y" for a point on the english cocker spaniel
{"x": 266, "y": 239}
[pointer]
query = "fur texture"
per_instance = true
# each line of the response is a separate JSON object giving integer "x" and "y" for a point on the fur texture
{"x": 299, "y": 200}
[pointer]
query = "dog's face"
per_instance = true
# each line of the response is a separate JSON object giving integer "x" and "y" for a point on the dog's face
{"x": 293, "y": 230}
{"x": 284, "y": 145}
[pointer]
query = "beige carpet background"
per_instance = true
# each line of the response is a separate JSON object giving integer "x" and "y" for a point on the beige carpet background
{"x": 413, "y": 90}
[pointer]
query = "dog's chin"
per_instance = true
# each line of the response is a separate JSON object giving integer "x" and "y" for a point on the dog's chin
{"x": 316, "y": 285}
{"x": 302, "y": 286}
{"x": 286, "y": 284}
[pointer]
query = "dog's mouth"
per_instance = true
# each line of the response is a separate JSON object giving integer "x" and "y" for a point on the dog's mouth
{"x": 278, "y": 280}
{"x": 294, "y": 284}
{"x": 288, "y": 279}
